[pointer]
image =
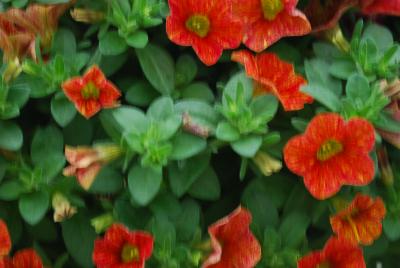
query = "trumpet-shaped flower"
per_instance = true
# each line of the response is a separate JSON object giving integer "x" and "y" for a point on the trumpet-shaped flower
{"x": 332, "y": 153}
{"x": 272, "y": 75}
{"x": 92, "y": 92}
{"x": 233, "y": 243}
{"x": 267, "y": 21}
{"x": 206, "y": 25}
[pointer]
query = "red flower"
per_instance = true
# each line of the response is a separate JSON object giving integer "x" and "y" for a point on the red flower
{"x": 337, "y": 253}
{"x": 361, "y": 221}
{"x": 272, "y": 75}
{"x": 267, "y": 21}
{"x": 206, "y": 25}
{"x": 26, "y": 258}
{"x": 5, "y": 240}
{"x": 121, "y": 248}
{"x": 91, "y": 92}
{"x": 386, "y": 7}
{"x": 86, "y": 162}
{"x": 233, "y": 243}
{"x": 332, "y": 153}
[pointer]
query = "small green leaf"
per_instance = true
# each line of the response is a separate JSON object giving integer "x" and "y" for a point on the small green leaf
{"x": 138, "y": 39}
{"x": 324, "y": 96}
{"x": 186, "y": 145}
{"x": 131, "y": 119}
{"x": 226, "y": 132}
{"x": 11, "y": 190}
{"x": 391, "y": 226}
{"x": 141, "y": 93}
{"x": 33, "y": 206}
{"x": 11, "y": 137}
{"x": 207, "y": 186}
{"x": 293, "y": 229}
{"x": 108, "y": 181}
{"x": 186, "y": 70}
{"x": 158, "y": 67}
{"x": 198, "y": 90}
{"x": 247, "y": 146}
{"x": 112, "y": 44}
{"x": 358, "y": 87}
{"x": 343, "y": 69}
{"x": 62, "y": 109}
{"x": 264, "y": 106}
{"x": 161, "y": 108}
{"x": 144, "y": 183}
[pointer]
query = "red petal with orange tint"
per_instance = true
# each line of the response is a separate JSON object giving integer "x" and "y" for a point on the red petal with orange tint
{"x": 5, "y": 240}
{"x": 233, "y": 243}
{"x": 27, "y": 258}
{"x": 384, "y": 7}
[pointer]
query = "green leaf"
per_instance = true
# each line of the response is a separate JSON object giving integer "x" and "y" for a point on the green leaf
{"x": 188, "y": 221}
{"x": 64, "y": 43}
{"x": 138, "y": 39}
{"x": 33, "y": 206}
{"x": 183, "y": 175}
{"x": 62, "y": 109}
{"x": 198, "y": 90}
{"x": 232, "y": 86}
{"x": 381, "y": 35}
{"x": 141, "y": 93}
{"x": 227, "y": 132}
{"x": 264, "y": 106}
{"x": 207, "y": 186}
{"x": 158, "y": 67}
{"x": 317, "y": 71}
{"x": 293, "y": 229}
{"x": 186, "y": 145}
{"x": 108, "y": 181}
{"x": 299, "y": 124}
{"x": 343, "y": 69}
{"x": 387, "y": 123}
{"x": 11, "y": 190}
{"x": 131, "y": 119}
{"x": 11, "y": 137}
{"x": 358, "y": 87}
{"x": 79, "y": 238}
{"x": 186, "y": 70}
{"x": 164, "y": 233}
{"x": 247, "y": 146}
{"x": 324, "y": 96}
{"x": 144, "y": 183}
{"x": 161, "y": 108}
{"x": 391, "y": 226}
{"x": 47, "y": 151}
{"x": 111, "y": 44}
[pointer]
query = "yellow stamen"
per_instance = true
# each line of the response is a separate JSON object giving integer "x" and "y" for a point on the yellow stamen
{"x": 271, "y": 8}
{"x": 129, "y": 253}
{"x": 198, "y": 24}
{"x": 329, "y": 149}
{"x": 324, "y": 265}
{"x": 353, "y": 227}
{"x": 90, "y": 91}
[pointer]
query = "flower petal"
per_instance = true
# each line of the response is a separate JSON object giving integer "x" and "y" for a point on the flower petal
{"x": 5, "y": 240}
{"x": 27, "y": 258}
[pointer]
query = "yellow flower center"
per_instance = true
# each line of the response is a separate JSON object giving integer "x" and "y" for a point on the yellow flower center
{"x": 198, "y": 24}
{"x": 129, "y": 253}
{"x": 323, "y": 265}
{"x": 90, "y": 91}
{"x": 271, "y": 8}
{"x": 329, "y": 149}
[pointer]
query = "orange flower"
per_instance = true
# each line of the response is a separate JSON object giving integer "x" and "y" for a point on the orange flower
{"x": 332, "y": 153}
{"x": 272, "y": 75}
{"x": 91, "y": 92}
{"x": 361, "y": 221}
{"x": 206, "y": 25}
{"x": 324, "y": 15}
{"x": 233, "y": 243}
{"x": 267, "y": 21}
{"x": 26, "y": 258}
{"x": 385, "y": 7}
{"x": 40, "y": 20}
{"x": 121, "y": 248}
{"x": 86, "y": 162}
{"x": 337, "y": 253}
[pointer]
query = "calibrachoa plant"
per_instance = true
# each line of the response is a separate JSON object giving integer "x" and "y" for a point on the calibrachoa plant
{"x": 199, "y": 133}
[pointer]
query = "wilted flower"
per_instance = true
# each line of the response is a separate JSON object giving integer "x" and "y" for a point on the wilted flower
{"x": 63, "y": 209}
{"x": 86, "y": 162}
{"x": 233, "y": 243}
{"x": 192, "y": 127}
{"x": 361, "y": 221}
{"x": 325, "y": 14}
{"x": 385, "y": 168}
{"x": 384, "y": 7}
{"x": 92, "y": 92}
{"x": 26, "y": 258}
{"x": 122, "y": 248}
{"x": 87, "y": 15}
{"x": 332, "y": 153}
{"x": 39, "y": 20}
{"x": 266, "y": 163}
{"x": 272, "y": 75}
{"x": 206, "y": 25}
{"x": 267, "y": 21}
{"x": 337, "y": 253}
